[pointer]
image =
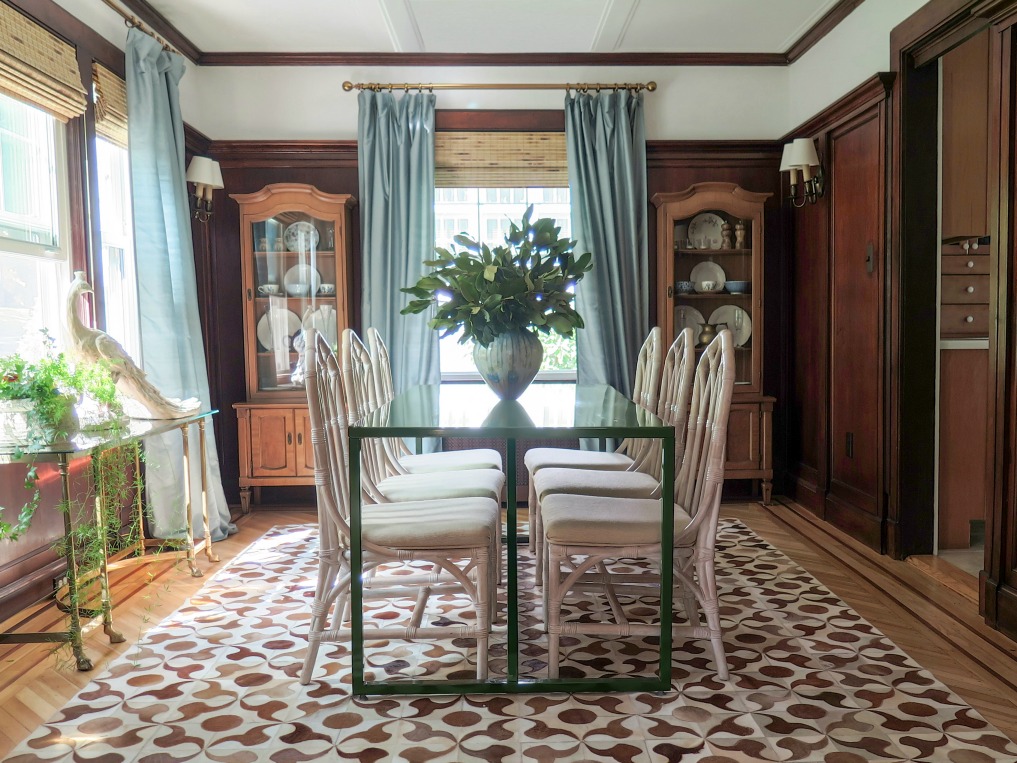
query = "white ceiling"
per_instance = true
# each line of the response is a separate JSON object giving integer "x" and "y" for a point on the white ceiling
{"x": 493, "y": 26}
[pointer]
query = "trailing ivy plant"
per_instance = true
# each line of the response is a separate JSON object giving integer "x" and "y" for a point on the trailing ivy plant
{"x": 52, "y": 386}
{"x": 526, "y": 283}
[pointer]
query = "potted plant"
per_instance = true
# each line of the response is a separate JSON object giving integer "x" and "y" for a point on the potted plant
{"x": 499, "y": 297}
{"x": 38, "y": 402}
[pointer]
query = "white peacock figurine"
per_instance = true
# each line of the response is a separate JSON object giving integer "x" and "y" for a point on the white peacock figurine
{"x": 93, "y": 345}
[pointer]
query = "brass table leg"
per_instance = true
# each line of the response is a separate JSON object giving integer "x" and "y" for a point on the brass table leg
{"x": 204, "y": 492}
{"x": 195, "y": 572}
{"x": 115, "y": 636}
{"x": 74, "y": 631}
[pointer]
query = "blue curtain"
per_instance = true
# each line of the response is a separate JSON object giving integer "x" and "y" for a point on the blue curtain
{"x": 171, "y": 340}
{"x": 395, "y": 150}
{"x": 606, "y": 146}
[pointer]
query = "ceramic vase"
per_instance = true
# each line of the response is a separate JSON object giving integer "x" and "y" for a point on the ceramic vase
{"x": 16, "y": 428}
{"x": 509, "y": 363}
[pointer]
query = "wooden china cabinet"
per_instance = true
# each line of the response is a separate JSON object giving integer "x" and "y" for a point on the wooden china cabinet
{"x": 710, "y": 271}
{"x": 294, "y": 249}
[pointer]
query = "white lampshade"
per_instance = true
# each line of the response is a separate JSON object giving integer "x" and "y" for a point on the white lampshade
{"x": 785, "y": 159}
{"x": 205, "y": 172}
{"x": 802, "y": 154}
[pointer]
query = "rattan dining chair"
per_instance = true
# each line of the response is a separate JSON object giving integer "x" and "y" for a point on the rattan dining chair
{"x": 401, "y": 458}
{"x": 455, "y": 536}
{"x": 644, "y": 480}
{"x": 587, "y": 533}
{"x": 630, "y": 453}
{"x": 384, "y": 480}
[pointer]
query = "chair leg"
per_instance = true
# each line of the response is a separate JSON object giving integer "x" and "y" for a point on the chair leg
{"x": 327, "y": 574}
{"x": 531, "y": 508}
{"x": 711, "y": 608}
{"x": 540, "y": 552}
{"x": 484, "y": 609}
{"x": 553, "y": 596}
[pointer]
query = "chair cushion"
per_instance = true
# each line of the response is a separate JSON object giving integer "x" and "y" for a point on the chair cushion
{"x": 455, "y": 523}
{"x": 594, "y": 482}
{"x": 452, "y": 460}
{"x": 467, "y": 483}
{"x": 603, "y": 521}
{"x": 569, "y": 458}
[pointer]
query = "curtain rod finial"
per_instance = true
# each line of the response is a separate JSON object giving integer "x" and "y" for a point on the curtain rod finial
{"x": 347, "y": 86}
{"x": 651, "y": 86}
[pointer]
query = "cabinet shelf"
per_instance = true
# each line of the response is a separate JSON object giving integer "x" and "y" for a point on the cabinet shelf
{"x": 711, "y": 295}
{"x": 317, "y": 298}
{"x": 714, "y": 252}
{"x": 287, "y": 253}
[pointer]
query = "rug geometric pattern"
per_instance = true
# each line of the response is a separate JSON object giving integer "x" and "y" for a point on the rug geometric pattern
{"x": 811, "y": 682}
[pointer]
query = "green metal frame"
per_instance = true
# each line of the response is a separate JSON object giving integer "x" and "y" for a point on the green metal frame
{"x": 512, "y": 683}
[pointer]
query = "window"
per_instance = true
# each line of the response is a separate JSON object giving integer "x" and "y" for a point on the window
{"x": 119, "y": 281}
{"x": 33, "y": 224}
{"x": 486, "y": 213}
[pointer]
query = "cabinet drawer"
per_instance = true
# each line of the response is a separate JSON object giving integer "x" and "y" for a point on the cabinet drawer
{"x": 974, "y": 264}
{"x": 972, "y": 247}
{"x": 964, "y": 320}
{"x": 964, "y": 290}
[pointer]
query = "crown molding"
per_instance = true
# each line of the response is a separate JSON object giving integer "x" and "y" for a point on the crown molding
{"x": 821, "y": 28}
{"x": 875, "y": 88}
{"x": 162, "y": 27}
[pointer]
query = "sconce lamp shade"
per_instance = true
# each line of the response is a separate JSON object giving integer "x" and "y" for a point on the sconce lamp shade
{"x": 785, "y": 159}
{"x": 803, "y": 153}
{"x": 204, "y": 171}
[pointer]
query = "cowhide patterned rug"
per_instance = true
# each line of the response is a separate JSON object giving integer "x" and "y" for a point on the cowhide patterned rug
{"x": 810, "y": 681}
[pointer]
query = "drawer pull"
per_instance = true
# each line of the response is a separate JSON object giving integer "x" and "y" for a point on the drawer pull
{"x": 969, "y": 319}
{"x": 965, "y": 246}
{"x": 970, "y": 290}
{"x": 971, "y": 263}
{"x": 300, "y": 438}
{"x": 289, "y": 437}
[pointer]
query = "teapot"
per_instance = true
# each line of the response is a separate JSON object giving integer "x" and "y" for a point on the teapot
{"x": 708, "y": 332}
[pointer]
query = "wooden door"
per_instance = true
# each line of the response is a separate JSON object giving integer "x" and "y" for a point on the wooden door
{"x": 272, "y": 446}
{"x": 304, "y": 450}
{"x": 854, "y": 499}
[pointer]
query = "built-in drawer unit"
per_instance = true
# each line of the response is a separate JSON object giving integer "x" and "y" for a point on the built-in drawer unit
{"x": 964, "y": 320}
{"x": 973, "y": 264}
{"x": 964, "y": 290}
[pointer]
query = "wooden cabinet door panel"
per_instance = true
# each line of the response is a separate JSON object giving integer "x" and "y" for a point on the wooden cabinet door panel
{"x": 856, "y": 316}
{"x": 304, "y": 449}
{"x": 272, "y": 449}
{"x": 743, "y": 437}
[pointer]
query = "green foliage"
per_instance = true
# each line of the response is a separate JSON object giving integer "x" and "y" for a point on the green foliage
{"x": 519, "y": 285}
{"x": 53, "y": 386}
{"x": 559, "y": 353}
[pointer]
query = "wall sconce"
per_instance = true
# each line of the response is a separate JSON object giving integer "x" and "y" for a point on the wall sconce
{"x": 206, "y": 176}
{"x": 800, "y": 156}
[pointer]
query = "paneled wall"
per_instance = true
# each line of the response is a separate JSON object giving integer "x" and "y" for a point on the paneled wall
{"x": 836, "y": 418}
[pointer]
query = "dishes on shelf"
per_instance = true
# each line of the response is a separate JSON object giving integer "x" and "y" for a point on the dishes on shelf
{"x": 322, "y": 319}
{"x": 706, "y": 273}
{"x": 292, "y": 236}
{"x": 739, "y": 287}
{"x": 277, "y": 322}
{"x": 704, "y": 230}
{"x": 737, "y": 320}
{"x": 301, "y": 280}
{"x": 686, "y": 317}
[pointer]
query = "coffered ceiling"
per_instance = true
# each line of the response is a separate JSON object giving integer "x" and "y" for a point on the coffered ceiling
{"x": 768, "y": 29}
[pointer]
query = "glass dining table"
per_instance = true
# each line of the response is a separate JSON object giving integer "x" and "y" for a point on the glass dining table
{"x": 545, "y": 411}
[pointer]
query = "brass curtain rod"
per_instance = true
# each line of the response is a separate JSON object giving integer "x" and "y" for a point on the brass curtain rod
{"x": 582, "y": 87}
{"x": 134, "y": 21}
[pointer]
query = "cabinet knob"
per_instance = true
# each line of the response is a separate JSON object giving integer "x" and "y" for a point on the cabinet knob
{"x": 670, "y": 292}
{"x": 300, "y": 438}
{"x": 974, "y": 244}
{"x": 289, "y": 438}
{"x": 969, "y": 319}
{"x": 965, "y": 246}
{"x": 970, "y": 290}
{"x": 971, "y": 263}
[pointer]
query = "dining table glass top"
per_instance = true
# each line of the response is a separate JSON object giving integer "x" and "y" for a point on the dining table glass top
{"x": 584, "y": 410}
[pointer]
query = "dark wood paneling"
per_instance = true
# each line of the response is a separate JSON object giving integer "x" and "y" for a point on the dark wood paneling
{"x": 855, "y": 315}
{"x": 963, "y": 385}
{"x": 873, "y": 90}
{"x": 497, "y": 120}
{"x": 965, "y": 113}
{"x": 371, "y": 59}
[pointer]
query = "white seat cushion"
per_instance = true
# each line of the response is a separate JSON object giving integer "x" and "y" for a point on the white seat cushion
{"x": 469, "y": 483}
{"x": 601, "y": 521}
{"x": 455, "y": 523}
{"x": 568, "y": 458}
{"x": 594, "y": 482}
{"x": 452, "y": 460}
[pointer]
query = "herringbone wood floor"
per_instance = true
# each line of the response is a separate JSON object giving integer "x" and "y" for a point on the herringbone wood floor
{"x": 934, "y": 623}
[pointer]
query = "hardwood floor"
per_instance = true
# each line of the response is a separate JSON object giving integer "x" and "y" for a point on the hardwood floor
{"x": 935, "y": 624}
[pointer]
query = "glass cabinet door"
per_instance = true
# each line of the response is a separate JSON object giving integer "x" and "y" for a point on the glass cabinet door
{"x": 713, "y": 266}
{"x": 295, "y": 288}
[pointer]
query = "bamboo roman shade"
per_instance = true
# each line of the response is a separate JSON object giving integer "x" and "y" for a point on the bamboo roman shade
{"x": 38, "y": 67}
{"x": 500, "y": 160}
{"x": 110, "y": 94}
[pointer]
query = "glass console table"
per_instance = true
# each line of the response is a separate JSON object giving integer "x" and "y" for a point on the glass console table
{"x": 545, "y": 411}
{"x": 140, "y": 550}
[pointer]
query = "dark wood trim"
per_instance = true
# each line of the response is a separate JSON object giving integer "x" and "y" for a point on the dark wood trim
{"x": 931, "y": 20}
{"x": 162, "y": 27}
{"x": 68, "y": 27}
{"x": 994, "y": 11}
{"x": 720, "y": 153}
{"x": 490, "y": 59}
{"x": 284, "y": 153}
{"x": 195, "y": 141}
{"x": 873, "y": 90}
{"x": 499, "y": 120}
{"x": 932, "y": 51}
{"x": 820, "y": 29}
